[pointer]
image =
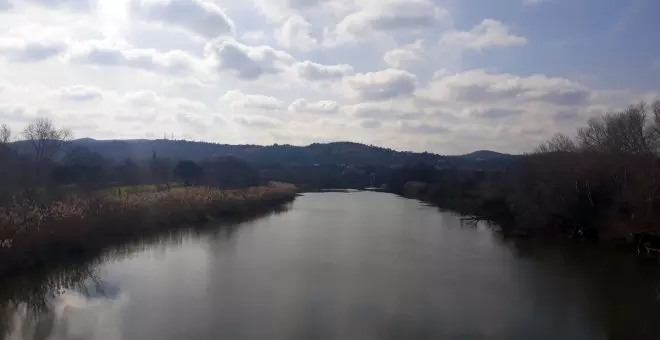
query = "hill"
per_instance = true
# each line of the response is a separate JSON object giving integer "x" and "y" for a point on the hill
{"x": 277, "y": 155}
{"x": 347, "y": 153}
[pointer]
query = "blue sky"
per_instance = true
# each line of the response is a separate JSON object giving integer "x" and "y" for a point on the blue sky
{"x": 610, "y": 41}
{"x": 446, "y": 76}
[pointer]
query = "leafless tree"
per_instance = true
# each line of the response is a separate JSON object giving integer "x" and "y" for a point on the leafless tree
{"x": 654, "y": 128}
{"x": 5, "y": 134}
{"x": 558, "y": 143}
{"x": 622, "y": 132}
{"x": 46, "y": 140}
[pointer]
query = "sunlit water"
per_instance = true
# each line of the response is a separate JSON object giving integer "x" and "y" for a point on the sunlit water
{"x": 358, "y": 265}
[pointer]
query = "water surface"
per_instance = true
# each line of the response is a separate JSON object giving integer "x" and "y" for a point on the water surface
{"x": 357, "y": 265}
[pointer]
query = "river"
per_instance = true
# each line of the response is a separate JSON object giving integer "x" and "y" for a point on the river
{"x": 358, "y": 265}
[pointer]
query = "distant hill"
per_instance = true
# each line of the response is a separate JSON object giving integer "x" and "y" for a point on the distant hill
{"x": 347, "y": 153}
{"x": 487, "y": 155}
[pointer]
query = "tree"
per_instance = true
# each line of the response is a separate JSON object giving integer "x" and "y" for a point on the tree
{"x": 623, "y": 132}
{"x": 5, "y": 135}
{"x": 8, "y": 168}
{"x": 81, "y": 166}
{"x": 46, "y": 140}
{"x": 82, "y": 156}
{"x": 229, "y": 173}
{"x": 188, "y": 172}
{"x": 160, "y": 169}
{"x": 558, "y": 143}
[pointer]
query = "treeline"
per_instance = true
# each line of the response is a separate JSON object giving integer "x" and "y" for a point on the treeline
{"x": 51, "y": 167}
{"x": 604, "y": 182}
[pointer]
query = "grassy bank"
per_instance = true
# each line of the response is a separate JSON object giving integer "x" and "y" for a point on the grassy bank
{"x": 32, "y": 235}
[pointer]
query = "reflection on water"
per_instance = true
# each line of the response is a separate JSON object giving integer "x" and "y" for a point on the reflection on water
{"x": 359, "y": 265}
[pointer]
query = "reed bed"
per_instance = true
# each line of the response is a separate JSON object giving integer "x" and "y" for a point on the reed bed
{"x": 32, "y": 235}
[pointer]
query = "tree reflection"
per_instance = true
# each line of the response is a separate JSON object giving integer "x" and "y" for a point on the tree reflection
{"x": 29, "y": 301}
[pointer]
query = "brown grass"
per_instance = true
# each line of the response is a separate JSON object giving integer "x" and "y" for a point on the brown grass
{"x": 31, "y": 235}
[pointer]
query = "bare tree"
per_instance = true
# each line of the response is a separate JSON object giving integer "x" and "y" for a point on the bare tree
{"x": 621, "y": 132}
{"x": 5, "y": 134}
{"x": 558, "y": 143}
{"x": 46, "y": 140}
{"x": 654, "y": 128}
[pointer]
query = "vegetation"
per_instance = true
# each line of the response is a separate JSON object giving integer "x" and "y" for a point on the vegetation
{"x": 605, "y": 183}
{"x": 31, "y": 234}
{"x": 57, "y": 200}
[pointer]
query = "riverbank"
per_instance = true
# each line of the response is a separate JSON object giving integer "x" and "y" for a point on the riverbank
{"x": 32, "y": 235}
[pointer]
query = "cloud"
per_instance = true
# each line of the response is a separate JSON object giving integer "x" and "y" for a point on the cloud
{"x": 6, "y": 5}
{"x": 280, "y": 10}
{"x": 494, "y": 112}
{"x": 488, "y": 33}
{"x": 256, "y": 121}
{"x": 79, "y": 93}
{"x": 400, "y": 57}
{"x": 240, "y": 100}
{"x": 253, "y": 36}
{"x": 422, "y": 128}
{"x": 79, "y": 5}
{"x": 22, "y": 50}
{"x": 383, "y": 111}
{"x": 319, "y": 107}
{"x": 376, "y": 18}
{"x": 370, "y": 124}
{"x": 104, "y": 54}
{"x": 152, "y": 100}
{"x": 479, "y": 86}
{"x": 14, "y": 114}
{"x": 246, "y": 62}
{"x": 313, "y": 71}
{"x": 295, "y": 33}
{"x": 140, "y": 98}
{"x": 380, "y": 85}
{"x": 199, "y": 17}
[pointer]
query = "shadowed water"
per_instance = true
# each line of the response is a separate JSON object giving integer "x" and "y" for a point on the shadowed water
{"x": 357, "y": 265}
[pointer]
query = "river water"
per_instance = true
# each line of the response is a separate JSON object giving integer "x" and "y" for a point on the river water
{"x": 359, "y": 265}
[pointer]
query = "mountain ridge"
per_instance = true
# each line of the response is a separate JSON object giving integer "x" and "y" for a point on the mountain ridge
{"x": 340, "y": 152}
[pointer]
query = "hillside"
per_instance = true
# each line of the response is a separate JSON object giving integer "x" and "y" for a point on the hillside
{"x": 337, "y": 153}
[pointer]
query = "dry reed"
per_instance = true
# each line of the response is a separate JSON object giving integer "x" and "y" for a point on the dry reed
{"x": 31, "y": 235}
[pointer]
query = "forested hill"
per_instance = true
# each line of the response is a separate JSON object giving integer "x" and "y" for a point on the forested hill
{"x": 348, "y": 153}
{"x": 315, "y": 154}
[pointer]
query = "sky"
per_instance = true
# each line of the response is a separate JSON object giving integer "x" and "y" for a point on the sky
{"x": 444, "y": 76}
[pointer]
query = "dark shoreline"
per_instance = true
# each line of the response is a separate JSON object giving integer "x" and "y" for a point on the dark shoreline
{"x": 99, "y": 230}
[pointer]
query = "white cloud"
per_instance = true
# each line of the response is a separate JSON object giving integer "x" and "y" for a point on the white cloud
{"x": 256, "y": 121}
{"x": 80, "y": 5}
{"x": 79, "y": 93}
{"x": 481, "y": 86}
{"x": 313, "y": 71}
{"x": 6, "y": 5}
{"x": 24, "y": 50}
{"x": 246, "y": 62}
{"x": 253, "y": 37}
{"x": 320, "y": 107}
{"x": 240, "y": 100}
{"x": 203, "y": 18}
{"x": 105, "y": 54}
{"x": 370, "y": 124}
{"x": 279, "y": 10}
{"x": 385, "y": 110}
{"x": 422, "y": 128}
{"x": 391, "y": 16}
{"x": 295, "y": 33}
{"x": 379, "y": 85}
{"x": 400, "y": 57}
{"x": 488, "y": 33}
